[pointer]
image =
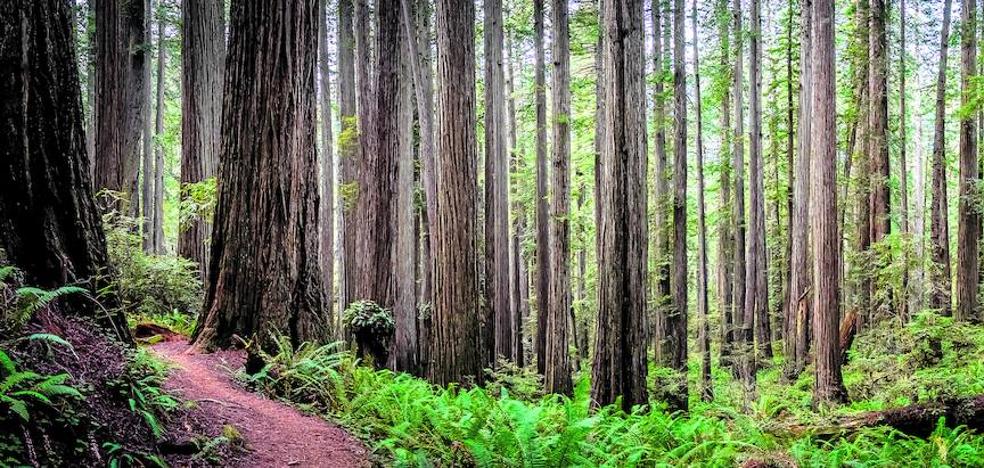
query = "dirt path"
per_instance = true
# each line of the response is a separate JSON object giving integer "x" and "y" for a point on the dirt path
{"x": 276, "y": 435}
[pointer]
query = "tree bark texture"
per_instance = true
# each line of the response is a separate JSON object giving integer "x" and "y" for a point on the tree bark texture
{"x": 828, "y": 387}
{"x": 326, "y": 168}
{"x": 454, "y": 349}
{"x": 619, "y": 367}
{"x": 660, "y": 241}
{"x": 542, "y": 202}
{"x": 49, "y": 223}
{"x": 741, "y": 319}
{"x": 202, "y": 64}
{"x": 968, "y": 228}
{"x": 264, "y": 277}
{"x": 703, "y": 330}
{"x": 348, "y": 147}
{"x": 726, "y": 250}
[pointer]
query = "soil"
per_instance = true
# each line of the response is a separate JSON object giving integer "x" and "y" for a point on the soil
{"x": 275, "y": 435}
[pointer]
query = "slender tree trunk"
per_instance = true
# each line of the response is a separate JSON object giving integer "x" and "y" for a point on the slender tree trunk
{"x": 968, "y": 230}
{"x": 202, "y": 64}
{"x": 726, "y": 239}
{"x": 828, "y": 387}
{"x": 703, "y": 331}
{"x": 798, "y": 312}
{"x": 49, "y": 224}
{"x": 455, "y": 342}
{"x": 147, "y": 164}
{"x": 864, "y": 164}
{"x": 158, "y": 228}
{"x": 496, "y": 187}
{"x": 542, "y": 205}
{"x": 519, "y": 290}
{"x": 619, "y": 367}
{"x": 879, "y": 171}
{"x": 903, "y": 302}
{"x": 660, "y": 240}
{"x": 348, "y": 147}
{"x": 264, "y": 278}
{"x": 940, "y": 275}
{"x": 742, "y": 318}
{"x": 756, "y": 288}
{"x": 326, "y": 165}
{"x": 558, "y": 377}
{"x": 121, "y": 97}
{"x": 919, "y": 286}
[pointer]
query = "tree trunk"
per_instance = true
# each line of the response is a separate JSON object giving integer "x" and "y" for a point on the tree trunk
{"x": 660, "y": 240}
{"x": 542, "y": 205}
{"x": 878, "y": 148}
{"x": 121, "y": 97}
{"x": 676, "y": 321}
{"x": 558, "y": 376}
{"x": 496, "y": 186}
{"x": 903, "y": 302}
{"x": 726, "y": 249}
{"x": 326, "y": 166}
{"x": 519, "y": 290}
{"x": 202, "y": 64}
{"x": 404, "y": 348}
{"x": 147, "y": 137}
{"x": 158, "y": 228}
{"x": 619, "y": 367}
{"x": 348, "y": 148}
{"x": 703, "y": 332}
{"x": 828, "y": 387}
{"x": 264, "y": 277}
{"x": 49, "y": 224}
{"x": 864, "y": 163}
{"x": 968, "y": 230}
{"x": 743, "y": 327}
{"x": 455, "y": 342}
{"x": 797, "y": 333}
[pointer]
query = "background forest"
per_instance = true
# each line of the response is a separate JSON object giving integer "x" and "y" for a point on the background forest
{"x": 498, "y": 233}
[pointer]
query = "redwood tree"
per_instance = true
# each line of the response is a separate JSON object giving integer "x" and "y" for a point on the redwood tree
{"x": 202, "y": 57}
{"x": 940, "y": 278}
{"x": 619, "y": 367}
{"x": 677, "y": 320}
{"x": 49, "y": 224}
{"x": 542, "y": 204}
{"x": 264, "y": 277}
{"x": 968, "y": 227}
{"x": 454, "y": 347}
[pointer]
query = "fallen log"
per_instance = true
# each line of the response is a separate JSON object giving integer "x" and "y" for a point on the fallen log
{"x": 919, "y": 420}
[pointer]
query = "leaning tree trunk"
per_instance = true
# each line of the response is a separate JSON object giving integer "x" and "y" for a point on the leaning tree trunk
{"x": 619, "y": 367}
{"x": 829, "y": 387}
{"x": 121, "y": 97}
{"x": 968, "y": 229}
{"x": 454, "y": 349}
{"x": 49, "y": 223}
{"x": 558, "y": 376}
{"x": 202, "y": 62}
{"x": 264, "y": 277}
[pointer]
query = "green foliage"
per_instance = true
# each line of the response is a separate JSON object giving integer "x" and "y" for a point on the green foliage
{"x": 176, "y": 321}
{"x": 197, "y": 202}
{"x": 521, "y": 382}
{"x": 141, "y": 386}
{"x": 148, "y": 284}
{"x": 19, "y": 304}
{"x": 119, "y": 456}
{"x": 369, "y": 317}
{"x": 23, "y": 391}
{"x": 307, "y": 375}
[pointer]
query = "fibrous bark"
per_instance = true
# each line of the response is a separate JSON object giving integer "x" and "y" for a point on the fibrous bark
{"x": 542, "y": 203}
{"x": 264, "y": 277}
{"x": 703, "y": 330}
{"x": 49, "y": 224}
{"x": 968, "y": 228}
{"x": 619, "y": 367}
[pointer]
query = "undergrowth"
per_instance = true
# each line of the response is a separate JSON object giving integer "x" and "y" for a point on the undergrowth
{"x": 412, "y": 422}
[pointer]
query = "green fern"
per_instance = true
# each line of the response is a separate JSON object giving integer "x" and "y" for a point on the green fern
{"x": 21, "y": 390}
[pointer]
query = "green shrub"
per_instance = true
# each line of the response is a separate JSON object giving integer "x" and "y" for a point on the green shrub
{"x": 19, "y": 303}
{"x": 373, "y": 327}
{"x": 148, "y": 284}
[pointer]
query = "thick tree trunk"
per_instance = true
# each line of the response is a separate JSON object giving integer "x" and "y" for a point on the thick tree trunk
{"x": 558, "y": 376}
{"x": 264, "y": 277}
{"x": 703, "y": 331}
{"x": 797, "y": 332}
{"x": 968, "y": 230}
{"x": 326, "y": 167}
{"x": 828, "y": 387}
{"x": 660, "y": 239}
{"x": 619, "y": 367}
{"x": 202, "y": 63}
{"x": 49, "y": 224}
{"x": 878, "y": 147}
{"x": 496, "y": 187}
{"x": 455, "y": 343}
{"x": 121, "y": 96}
{"x": 542, "y": 204}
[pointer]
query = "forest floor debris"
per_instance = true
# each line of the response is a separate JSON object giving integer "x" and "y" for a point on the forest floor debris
{"x": 274, "y": 433}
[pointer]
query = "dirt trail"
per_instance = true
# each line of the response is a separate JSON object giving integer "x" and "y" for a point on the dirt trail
{"x": 276, "y": 435}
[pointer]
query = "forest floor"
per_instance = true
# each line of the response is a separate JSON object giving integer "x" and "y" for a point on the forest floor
{"x": 274, "y": 434}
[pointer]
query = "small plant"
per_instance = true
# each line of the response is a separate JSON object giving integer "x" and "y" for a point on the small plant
{"x": 22, "y": 390}
{"x": 19, "y": 304}
{"x": 118, "y": 456}
{"x": 373, "y": 327}
{"x": 141, "y": 386}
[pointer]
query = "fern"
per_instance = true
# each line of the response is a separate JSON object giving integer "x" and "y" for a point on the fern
{"x": 20, "y": 391}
